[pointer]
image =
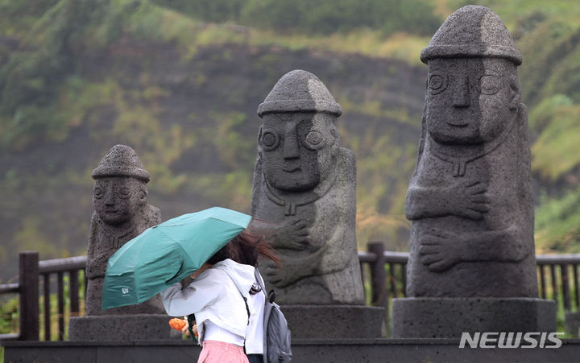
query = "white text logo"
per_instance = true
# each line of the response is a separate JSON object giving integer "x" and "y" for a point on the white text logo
{"x": 510, "y": 340}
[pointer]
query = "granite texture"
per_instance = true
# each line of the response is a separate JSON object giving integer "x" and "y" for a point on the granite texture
{"x": 572, "y": 324}
{"x": 122, "y": 328}
{"x": 470, "y": 199}
{"x": 121, "y": 213}
{"x": 472, "y": 264}
{"x": 449, "y": 317}
{"x": 305, "y": 188}
{"x": 334, "y": 321}
{"x": 351, "y": 350}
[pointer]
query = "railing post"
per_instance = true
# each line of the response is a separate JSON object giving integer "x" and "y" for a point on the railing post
{"x": 378, "y": 275}
{"x": 565, "y": 286}
{"x": 74, "y": 292}
{"x": 47, "y": 324}
{"x": 60, "y": 299}
{"x": 28, "y": 288}
{"x": 576, "y": 286}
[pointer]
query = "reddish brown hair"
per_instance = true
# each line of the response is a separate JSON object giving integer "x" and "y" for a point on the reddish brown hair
{"x": 246, "y": 248}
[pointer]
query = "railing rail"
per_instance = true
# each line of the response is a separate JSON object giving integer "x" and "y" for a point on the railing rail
{"x": 32, "y": 274}
{"x": 383, "y": 272}
{"x": 558, "y": 276}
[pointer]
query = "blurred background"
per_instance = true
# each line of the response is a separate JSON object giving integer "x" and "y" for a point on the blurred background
{"x": 180, "y": 81}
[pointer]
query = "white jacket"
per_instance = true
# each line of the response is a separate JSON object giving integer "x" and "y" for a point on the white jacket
{"x": 215, "y": 297}
{"x": 255, "y": 331}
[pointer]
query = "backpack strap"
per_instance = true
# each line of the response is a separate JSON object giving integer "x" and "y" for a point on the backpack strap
{"x": 190, "y": 322}
{"x": 260, "y": 282}
{"x": 271, "y": 295}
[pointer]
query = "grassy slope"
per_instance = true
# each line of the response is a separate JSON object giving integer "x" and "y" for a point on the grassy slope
{"x": 196, "y": 87}
{"x": 133, "y": 99}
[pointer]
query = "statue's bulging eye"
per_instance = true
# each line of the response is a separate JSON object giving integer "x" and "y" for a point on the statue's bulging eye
{"x": 98, "y": 193}
{"x": 314, "y": 140}
{"x": 489, "y": 84}
{"x": 270, "y": 140}
{"x": 436, "y": 83}
{"x": 124, "y": 193}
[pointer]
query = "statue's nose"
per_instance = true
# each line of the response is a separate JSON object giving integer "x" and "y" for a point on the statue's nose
{"x": 461, "y": 92}
{"x": 291, "y": 148}
{"x": 110, "y": 196}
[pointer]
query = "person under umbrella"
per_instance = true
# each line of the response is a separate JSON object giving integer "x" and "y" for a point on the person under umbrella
{"x": 224, "y": 298}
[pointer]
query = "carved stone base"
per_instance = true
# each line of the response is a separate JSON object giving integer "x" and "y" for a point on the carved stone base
{"x": 573, "y": 324}
{"x": 334, "y": 321}
{"x": 122, "y": 328}
{"x": 449, "y": 317}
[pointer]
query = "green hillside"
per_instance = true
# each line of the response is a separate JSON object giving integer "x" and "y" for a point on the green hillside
{"x": 180, "y": 82}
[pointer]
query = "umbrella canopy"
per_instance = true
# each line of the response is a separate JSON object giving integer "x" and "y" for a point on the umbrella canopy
{"x": 165, "y": 254}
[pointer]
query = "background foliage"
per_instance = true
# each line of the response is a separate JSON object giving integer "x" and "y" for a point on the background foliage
{"x": 180, "y": 81}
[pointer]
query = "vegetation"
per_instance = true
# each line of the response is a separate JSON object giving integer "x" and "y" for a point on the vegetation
{"x": 9, "y": 311}
{"x": 315, "y": 16}
{"x": 87, "y": 75}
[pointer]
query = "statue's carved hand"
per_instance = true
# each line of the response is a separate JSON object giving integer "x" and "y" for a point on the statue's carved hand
{"x": 292, "y": 235}
{"x": 469, "y": 199}
{"x": 284, "y": 276}
{"x": 440, "y": 250}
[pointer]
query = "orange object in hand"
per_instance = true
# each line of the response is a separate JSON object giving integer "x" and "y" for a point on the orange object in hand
{"x": 177, "y": 324}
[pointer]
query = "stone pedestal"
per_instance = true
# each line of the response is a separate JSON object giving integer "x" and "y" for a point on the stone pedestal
{"x": 334, "y": 321}
{"x": 573, "y": 324}
{"x": 121, "y": 328}
{"x": 449, "y": 317}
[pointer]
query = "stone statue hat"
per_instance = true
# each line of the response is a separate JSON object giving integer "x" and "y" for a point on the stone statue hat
{"x": 121, "y": 160}
{"x": 472, "y": 31}
{"x": 299, "y": 91}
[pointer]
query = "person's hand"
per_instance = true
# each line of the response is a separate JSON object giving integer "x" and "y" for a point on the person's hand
{"x": 185, "y": 329}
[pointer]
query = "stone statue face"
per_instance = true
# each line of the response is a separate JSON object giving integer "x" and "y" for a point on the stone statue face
{"x": 470, "y": 100}
{"x": 298, "y": 150}
{"x": 117, "y": 199}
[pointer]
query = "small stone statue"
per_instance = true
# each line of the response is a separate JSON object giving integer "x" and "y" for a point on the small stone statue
{"x": 304, "y": 185}
{"x": 121, "y": 213}
{"x": 470, "y": 197}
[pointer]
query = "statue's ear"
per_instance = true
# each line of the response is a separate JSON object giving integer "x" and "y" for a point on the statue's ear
{"x": 143, "y": 194}
{"x": 260, "y": 141}
{"x": 515, "y": 95}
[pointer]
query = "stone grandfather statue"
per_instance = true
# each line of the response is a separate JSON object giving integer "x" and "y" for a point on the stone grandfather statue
{"x": 121, "y": 213}
{"x": 472, "y": 264}
{"x": 304, "y": 185}
{"x": 470, "y": 198}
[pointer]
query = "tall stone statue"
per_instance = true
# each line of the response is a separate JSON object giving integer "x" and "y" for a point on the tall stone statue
{"x": 121, "y": 213}
{"x": 304, "y": 189}
{"x": 470, "y": 198}
{"x": 304, "y": 183}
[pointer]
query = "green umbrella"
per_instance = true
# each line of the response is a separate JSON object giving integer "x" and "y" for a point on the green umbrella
{"x": 165, "y": 254}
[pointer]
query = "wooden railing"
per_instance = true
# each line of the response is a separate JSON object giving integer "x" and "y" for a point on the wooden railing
{"x": 557, "y": 276}
{"x": 384, "y": 276}
{"x": 50, "y": 272}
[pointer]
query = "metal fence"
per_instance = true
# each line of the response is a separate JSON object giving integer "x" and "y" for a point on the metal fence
{"x": 384, "y": 277}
